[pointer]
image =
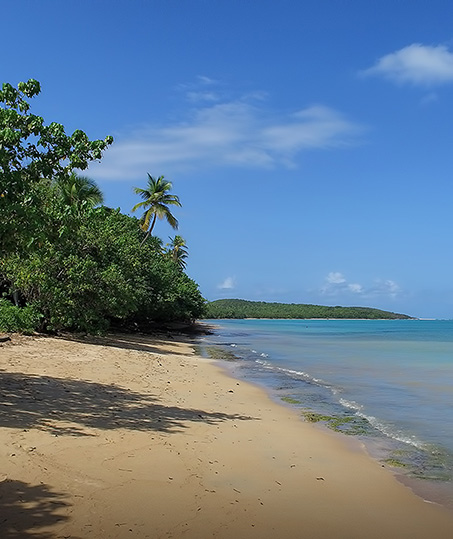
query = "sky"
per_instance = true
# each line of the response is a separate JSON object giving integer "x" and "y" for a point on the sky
{"x": 309, "y": 141}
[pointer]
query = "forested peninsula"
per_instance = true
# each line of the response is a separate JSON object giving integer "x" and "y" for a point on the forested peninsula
{"x": 240, "y": 308}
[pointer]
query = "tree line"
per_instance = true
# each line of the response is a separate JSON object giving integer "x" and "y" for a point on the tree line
{"x": 66, "y": 261}
{"x": 239, "y": 308}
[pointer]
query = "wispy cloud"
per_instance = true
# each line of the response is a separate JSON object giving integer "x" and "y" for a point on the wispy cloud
{"x": 336, "y": 284}
{"x": 335, "y": 278}
{"x": 206, "y": 80}
{"x": 228, "y": 284}
{"x": 204, "y": 89}
{"x": 429, "y": 98}
{"x": 416, "y": 64}
{"x": 217, "y": 131}
{"x": 385, "y": 287}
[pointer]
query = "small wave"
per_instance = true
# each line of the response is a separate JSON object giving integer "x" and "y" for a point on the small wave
{"x": 318, "y": 381}
{"x": 306, "y": 376}
{"x": 264, "y": 355}
{"x": 296, "y": 373}
{"x": 390, "y": 431}
{"x": 351, "y": 404}
{"x": 233, "y": 345}
{"x": 262, "y": 362}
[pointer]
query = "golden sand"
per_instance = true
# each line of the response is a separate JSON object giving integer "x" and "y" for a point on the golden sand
{"x": 138, "y": 437}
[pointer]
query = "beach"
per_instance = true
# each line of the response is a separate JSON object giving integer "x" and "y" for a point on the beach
{"x": 136, "y": 436}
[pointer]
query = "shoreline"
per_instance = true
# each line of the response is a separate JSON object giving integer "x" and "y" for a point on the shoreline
{"x": 309, "y": 377}
{"x": 133, "y": 436}
{"x": 429, "y": 490}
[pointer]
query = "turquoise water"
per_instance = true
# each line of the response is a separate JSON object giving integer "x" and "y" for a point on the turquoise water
{"x": 390, "y": 382}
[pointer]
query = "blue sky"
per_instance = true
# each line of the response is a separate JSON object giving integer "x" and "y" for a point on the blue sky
{"x": 310, "y": 142}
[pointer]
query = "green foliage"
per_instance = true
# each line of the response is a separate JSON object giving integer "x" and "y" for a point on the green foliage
{"x": 78, "y": 192}
{"x": 81, "y": 267}
{"x": 156, "y": 199}
{"x": 95, "y": 274}
{"x": 239, "y": 308}
{"x": 16, "y": 319}
{"x": 177, "y": 251}
{"x": 29, "y": 152}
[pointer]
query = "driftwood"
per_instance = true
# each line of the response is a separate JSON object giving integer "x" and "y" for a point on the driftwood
{"x": 4, "y": 338}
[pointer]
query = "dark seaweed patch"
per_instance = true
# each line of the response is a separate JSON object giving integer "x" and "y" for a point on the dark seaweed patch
{"x": 351, "y": 425}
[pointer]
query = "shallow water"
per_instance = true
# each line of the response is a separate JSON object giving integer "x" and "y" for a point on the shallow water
{"x": 390, "y": 382}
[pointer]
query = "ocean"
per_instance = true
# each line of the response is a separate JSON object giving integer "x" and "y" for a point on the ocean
{"x": 388, "y": 383}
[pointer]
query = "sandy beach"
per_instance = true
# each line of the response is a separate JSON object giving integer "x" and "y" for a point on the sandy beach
{"x": 138, "y": 437}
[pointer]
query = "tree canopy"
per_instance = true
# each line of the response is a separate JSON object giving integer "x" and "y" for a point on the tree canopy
{"x": 76, "y": 191}
{"x": 65, "y": 263}
{"x": 178, "y": 252}
{"x": 156, "y": 199}
{"x": 31, "y": 152}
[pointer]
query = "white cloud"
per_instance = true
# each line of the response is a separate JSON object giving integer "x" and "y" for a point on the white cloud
{"x": 336, "y": 284}
{"x": 240, "y": 132}
{"x": 202, "y": 96}
{"x": 206, "y": 80}
{"x": 416, "y": 64}
{"x": 335, "y": 277}
{"x": 385, "y": 287}
{"x": 227, "y": 284}
{"x": 356, "y": 288}
{"x": 313, "y": 127}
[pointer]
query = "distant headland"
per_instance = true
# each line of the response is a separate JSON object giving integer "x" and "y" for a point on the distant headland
{"x": 241, "y": 308}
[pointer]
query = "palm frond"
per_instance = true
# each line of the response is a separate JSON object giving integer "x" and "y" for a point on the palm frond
{"x": 156, "y": 199}
{"x": 171, "y": 220}
{"x": 139, "y": 205}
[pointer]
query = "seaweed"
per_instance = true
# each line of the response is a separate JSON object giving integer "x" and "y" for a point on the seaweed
{"x": 395, "y": 463}
{"x": 291, "y": 400}
{"x": 215, "y": 352}
{"x": 351, "y": 425}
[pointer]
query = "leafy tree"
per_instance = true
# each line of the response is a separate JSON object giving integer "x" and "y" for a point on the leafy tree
{"x": 156, "y": 199}
{"x": 66, "y": 263}
{"x": 78, "y": 191}
{"x": 29, "y": 152}
{"x": 13, "y": 318}
{"x": 178, "y": 252}
{"x": 97, "y": 275}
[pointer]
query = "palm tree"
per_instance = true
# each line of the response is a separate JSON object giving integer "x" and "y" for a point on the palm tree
{"x": 156, "y": 199}
{"x": 76, "y": 191}
{"x": 177, "y": 251}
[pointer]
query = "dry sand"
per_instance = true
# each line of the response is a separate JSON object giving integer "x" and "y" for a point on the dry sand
{"x": 137, "y": 437}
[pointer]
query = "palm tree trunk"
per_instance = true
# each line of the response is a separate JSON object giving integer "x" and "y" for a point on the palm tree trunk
{"x": 149, "y": 230}
{"x": 152, "y": 224}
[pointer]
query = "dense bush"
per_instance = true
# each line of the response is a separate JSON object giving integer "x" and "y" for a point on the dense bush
{"x": 16, "y": 319}
{"x": 97, "y": 273}
{"x": 68, "y": 264}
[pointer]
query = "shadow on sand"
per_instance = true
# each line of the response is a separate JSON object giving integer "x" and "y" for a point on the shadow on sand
{"x": 66, "y": 406}
{"x": 127, "y": 341}
{"x": 25, "y": 508}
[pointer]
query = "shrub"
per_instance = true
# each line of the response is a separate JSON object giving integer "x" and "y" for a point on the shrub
{"x": 18, "y": 319}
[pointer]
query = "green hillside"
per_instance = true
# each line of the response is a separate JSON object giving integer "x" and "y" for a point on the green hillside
{"x": 240, "y": 308}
